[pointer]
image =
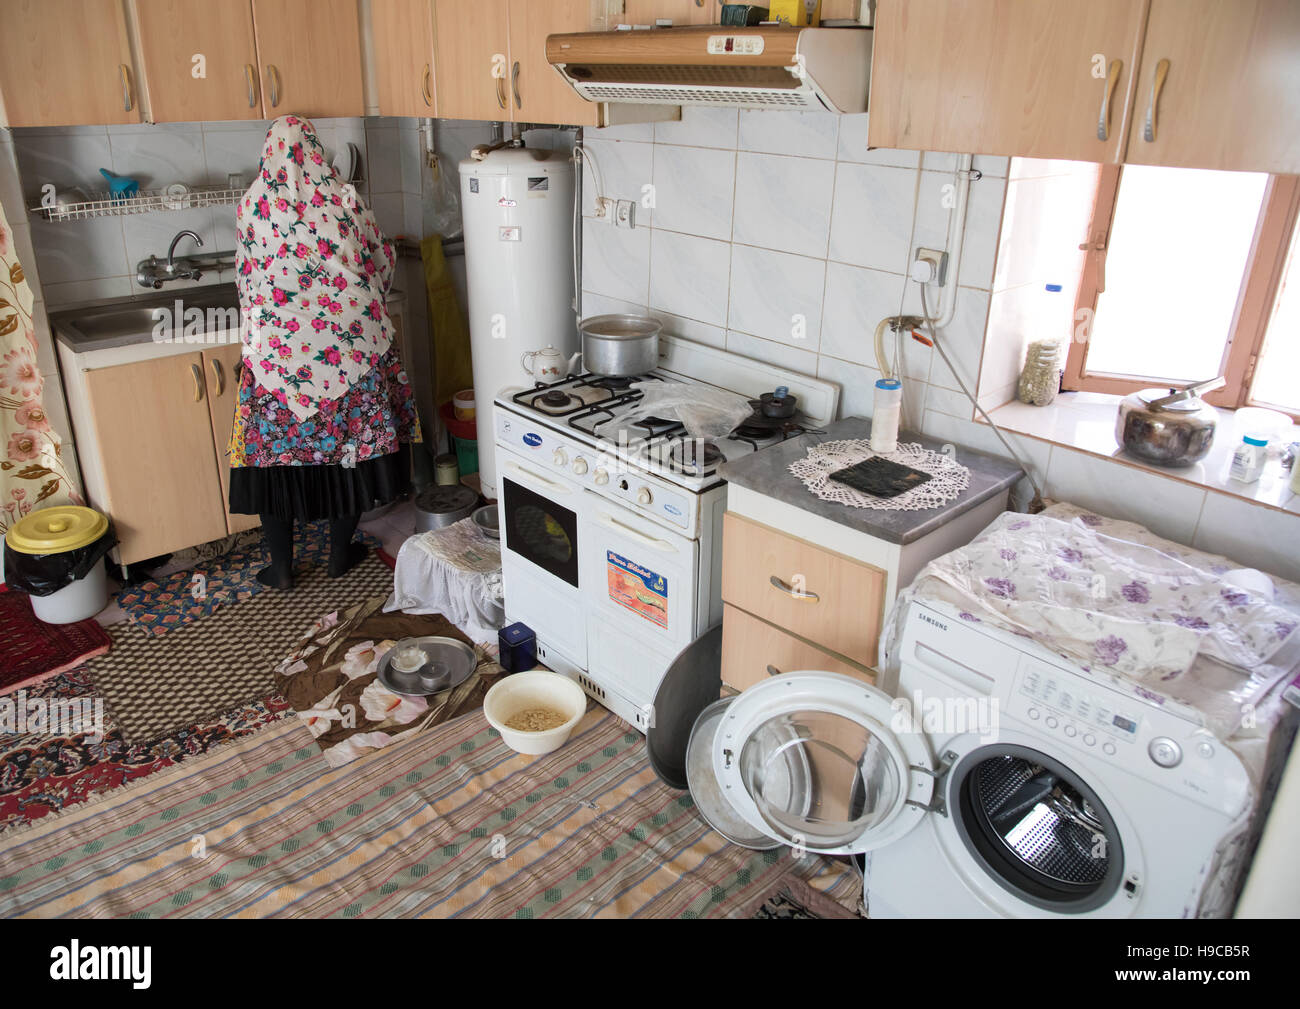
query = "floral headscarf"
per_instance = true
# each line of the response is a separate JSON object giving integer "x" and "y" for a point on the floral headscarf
{"x": 313, "y": 270}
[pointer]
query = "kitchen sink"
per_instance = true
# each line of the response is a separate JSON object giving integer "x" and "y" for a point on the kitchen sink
{"x": 169, "y": 317}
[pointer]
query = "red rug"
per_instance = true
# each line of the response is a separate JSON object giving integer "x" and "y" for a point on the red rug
{"x": 34, "y": 650}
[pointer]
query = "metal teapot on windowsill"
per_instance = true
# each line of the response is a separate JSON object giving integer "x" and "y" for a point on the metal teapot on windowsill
{"x": 1172, "y": 427}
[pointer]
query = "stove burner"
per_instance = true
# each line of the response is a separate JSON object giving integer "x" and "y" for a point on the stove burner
{"x": 615, "y": 383}
{"x": 555, "y": 398}
{"x": 695, "y": 456}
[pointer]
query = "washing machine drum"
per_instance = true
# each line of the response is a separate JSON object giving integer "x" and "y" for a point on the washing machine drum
{"x": 813, "y": 760}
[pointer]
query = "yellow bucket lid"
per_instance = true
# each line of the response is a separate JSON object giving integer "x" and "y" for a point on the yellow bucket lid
{"x": 56, "y": 530}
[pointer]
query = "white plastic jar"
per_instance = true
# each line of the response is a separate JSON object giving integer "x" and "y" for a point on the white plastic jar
{"x": 1249, "y": 458}
{"x": 885, "y": 414}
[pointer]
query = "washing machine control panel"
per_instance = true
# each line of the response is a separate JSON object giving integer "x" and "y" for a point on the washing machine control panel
{"x": 1058, "y": 702}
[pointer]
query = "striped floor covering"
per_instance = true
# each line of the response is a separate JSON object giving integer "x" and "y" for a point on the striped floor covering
{"x": 447, "y": 823}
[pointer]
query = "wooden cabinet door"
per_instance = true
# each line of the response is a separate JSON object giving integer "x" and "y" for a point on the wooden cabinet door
{"x": 1025, "y": 77}
{"x": 172, "y": 33}
{"x": 471, "y": 58}
{"x": 66, "y": 63}
{"x": 1230, "y": 94}
{"x": 310, "y": 57}
{"x": 537, "y": 93}
{"x": 155, "y": 438}
{"x": 752, "y": 651}
{"x": 403, "y": 34}
{"x": 221, "y": 373}
{"x": 682, "y": 12}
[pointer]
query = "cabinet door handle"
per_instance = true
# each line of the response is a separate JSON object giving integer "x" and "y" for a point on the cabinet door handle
{"x": 773, "y": 671}
{"x": 126, "y": 86}
{"x": 273, "y": 75}
{"x": 252, "y": 85}
{"x": 1157, "y": 85}
{"x": 219, "y": 375}
{"x": 501, "y": 91}
{"x": 1103, "y": 118}
{"x": 792, "y": 592}
{"x": 514, "y": 84}
{"x": 197, "y": 372}
{"x": 426, "y": 85}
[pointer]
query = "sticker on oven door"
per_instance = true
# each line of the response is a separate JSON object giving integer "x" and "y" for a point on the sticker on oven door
{"x": 641, "y": 590}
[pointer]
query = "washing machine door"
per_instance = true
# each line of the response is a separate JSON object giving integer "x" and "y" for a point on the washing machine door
{"x": 822, "y": 762}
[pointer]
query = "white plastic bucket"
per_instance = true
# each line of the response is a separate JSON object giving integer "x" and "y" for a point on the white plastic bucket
{"x": 535, "y": 689}
{"x": 80, "y": 600}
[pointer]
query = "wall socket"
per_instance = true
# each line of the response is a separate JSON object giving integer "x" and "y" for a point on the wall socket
{"x": 625, "y": 214}
{"x": 604, "y": 210}
{"x": 939, "y": 260}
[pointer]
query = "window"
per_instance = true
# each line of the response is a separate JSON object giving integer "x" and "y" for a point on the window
{"x": 1186, "y": 278}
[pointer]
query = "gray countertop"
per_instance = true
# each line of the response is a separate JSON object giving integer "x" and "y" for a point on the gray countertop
{"x": 768, "y": 472}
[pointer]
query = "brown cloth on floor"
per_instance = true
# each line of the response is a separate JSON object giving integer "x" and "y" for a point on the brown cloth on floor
{"x": 332, "y": 681}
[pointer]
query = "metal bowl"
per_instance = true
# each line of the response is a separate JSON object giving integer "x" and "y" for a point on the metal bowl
{"x": 488, "y": 521}
{"x": 447, "y": 663}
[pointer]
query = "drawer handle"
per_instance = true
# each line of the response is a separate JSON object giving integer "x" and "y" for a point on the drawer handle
{"x": 1103, "y": 119}
{"x": 197, "y": 372}
{"x": 773, "y": 671}
{"x": 636, "y": 534}
{"x": 425, "y": 84}
{"x": 220, "y": 376}
{"x": 1157, "y": 85}
{"x": 792, "y": 592}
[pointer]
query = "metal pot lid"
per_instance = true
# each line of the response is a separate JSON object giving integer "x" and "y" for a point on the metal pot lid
{"x": 446, "y": 498}
{"x": 690, "y": 685}
{"x": 620, "y": 327}
{"x": 447, "y": 663}
{"x": 1149, "y": 396}
{"x": 706, "y": 790}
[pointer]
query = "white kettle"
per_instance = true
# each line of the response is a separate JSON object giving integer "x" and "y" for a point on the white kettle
{"x": 547, "y": 364}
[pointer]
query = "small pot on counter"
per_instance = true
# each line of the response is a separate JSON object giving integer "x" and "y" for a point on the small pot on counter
{"x": 620, "y": 346}
{"x": 1168, "y": 427}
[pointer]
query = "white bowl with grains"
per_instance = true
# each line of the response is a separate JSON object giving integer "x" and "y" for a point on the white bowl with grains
{"x": 534, "y": 711}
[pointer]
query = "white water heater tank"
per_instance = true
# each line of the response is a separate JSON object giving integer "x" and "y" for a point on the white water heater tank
{"x": 517, "y": 206}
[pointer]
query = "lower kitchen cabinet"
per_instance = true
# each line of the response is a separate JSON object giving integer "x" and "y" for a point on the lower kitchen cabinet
{"x": 753, "y": 650}
{"x": 221, "y": 368}
{"x": 155, "y": 473}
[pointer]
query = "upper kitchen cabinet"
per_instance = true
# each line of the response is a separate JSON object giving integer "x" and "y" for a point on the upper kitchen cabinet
{"x": 537, "y": 93}
{"x": 66, "y": 63}
{"x": 680, "y": 12}
{"x": 471, "y": 58}
{"x": 403, "y": 37}
{"x": 1219, "y": 86}
{"x": 1038, "y": 78}
{"x": 200, "y": 59}
{"x": 309, "y": 52}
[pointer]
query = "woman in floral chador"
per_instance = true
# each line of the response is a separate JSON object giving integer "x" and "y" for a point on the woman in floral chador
{"x": 324, "y": 409}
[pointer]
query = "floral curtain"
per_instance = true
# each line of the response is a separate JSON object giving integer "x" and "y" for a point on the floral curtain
{"x": 32, "y": 474}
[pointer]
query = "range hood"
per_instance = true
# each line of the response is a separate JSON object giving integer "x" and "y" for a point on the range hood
{"x": 753, "y": 68}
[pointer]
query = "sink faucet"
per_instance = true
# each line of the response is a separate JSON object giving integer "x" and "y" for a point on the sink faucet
{"x": 153, "y": 273}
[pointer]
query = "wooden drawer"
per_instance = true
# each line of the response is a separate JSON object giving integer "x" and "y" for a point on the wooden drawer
{"x": 749, "y": 646}
{"x": 810, "y": 591}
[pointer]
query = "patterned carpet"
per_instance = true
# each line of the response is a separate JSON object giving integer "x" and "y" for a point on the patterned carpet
{"x": 156, "y": 685}
{"x": 42, "y": 774}
{"x": 35, "y": 650}
{"x": 444, "y": 823}
{"x": 158, "y": 607}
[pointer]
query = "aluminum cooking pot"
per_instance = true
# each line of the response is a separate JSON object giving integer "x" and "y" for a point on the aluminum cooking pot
{"x": 620, "y": 346}
{"x": 1168, "y": 427}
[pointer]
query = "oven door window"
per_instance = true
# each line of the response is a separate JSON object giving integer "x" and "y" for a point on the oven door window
{"x": 541, "y": 532}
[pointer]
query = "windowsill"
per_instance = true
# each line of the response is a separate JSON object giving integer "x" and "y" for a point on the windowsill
{"x": 1085, "y": 421}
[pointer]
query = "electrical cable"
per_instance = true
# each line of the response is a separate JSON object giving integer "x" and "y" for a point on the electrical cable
{"x": 1036, "y": 504}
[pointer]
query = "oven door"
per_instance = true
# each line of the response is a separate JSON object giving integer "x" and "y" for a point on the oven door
{"x": 541, "y": 519}
{"x": 641, "y": 578}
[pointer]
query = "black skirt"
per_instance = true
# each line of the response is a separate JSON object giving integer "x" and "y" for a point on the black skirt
{"x": 308, "y": 493}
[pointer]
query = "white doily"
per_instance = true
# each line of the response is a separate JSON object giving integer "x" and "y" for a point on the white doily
{"x": 948, "y": 478}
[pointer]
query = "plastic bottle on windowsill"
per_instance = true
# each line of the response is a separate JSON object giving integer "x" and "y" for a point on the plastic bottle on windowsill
{"x": 1040, "y": 378}
{"x": 1249, "y": 458}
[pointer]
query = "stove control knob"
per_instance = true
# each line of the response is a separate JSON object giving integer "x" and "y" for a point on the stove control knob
{"x": 579, "y": 466}
{"x": 602, "y": 477}
{"x": 643, "y": 496}
{"x": 561, "y": 457}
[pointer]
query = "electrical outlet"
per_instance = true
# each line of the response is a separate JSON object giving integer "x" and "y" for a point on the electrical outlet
{"x": 604, "y": 210}
{"x": 939, "y": 260}
{"x": 625, "y": 214}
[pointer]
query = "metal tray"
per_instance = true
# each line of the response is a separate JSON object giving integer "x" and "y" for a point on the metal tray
{"x": 450, "y": 664}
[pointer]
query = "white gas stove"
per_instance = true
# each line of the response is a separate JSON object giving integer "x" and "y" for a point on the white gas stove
{"x": 611, "y": 522}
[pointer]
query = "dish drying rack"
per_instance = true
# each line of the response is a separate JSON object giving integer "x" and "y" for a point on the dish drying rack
{"x": 102, "y": 203}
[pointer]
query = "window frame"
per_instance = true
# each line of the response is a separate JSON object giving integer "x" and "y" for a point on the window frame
{"x": 1279, "y": 212}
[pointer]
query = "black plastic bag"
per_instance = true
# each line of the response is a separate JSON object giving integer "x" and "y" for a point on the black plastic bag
{"x": 45, "y": 574}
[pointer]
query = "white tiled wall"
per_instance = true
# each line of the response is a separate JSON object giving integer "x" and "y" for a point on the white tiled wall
{"x": 759, "y": 217}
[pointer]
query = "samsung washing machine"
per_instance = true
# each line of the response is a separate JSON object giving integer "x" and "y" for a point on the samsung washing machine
{"x": 1001, "y": 781}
